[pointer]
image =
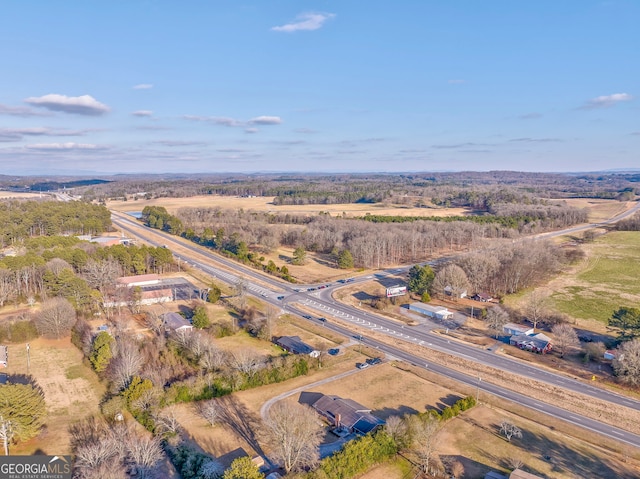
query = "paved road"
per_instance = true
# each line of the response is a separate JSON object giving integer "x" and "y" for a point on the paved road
{"x": 322, "y": 301}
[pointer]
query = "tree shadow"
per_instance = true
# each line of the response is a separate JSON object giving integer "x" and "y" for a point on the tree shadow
{"x": 448, "y": 400}
{"x": 386, "y": 412}
{"x": 362, "y": 296}
{"x": 241, "y": 420}
{"x": 561, "y": 456}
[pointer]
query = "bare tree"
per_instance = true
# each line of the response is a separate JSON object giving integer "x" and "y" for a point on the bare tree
{"x": 57, "y": 265}
{"x": 496, "y": 319}
{"x": 246, "y": 361}
{"x": 515, "y": 462}
{"x": 240, "y": 289}
{"x": 144, "y": 454}
{"x": 294, "y": 432}
{"x": 509, "y": 430}
{"x": 451, "y": 280}
{"x": 127, "y": 363}
{"x": 101, "y": 274}
{"x": 269, "y": 323}
{"x": 423, "y": 430}
{"x": 397, "y": 429}
{"x": 8, "y": 288}
{"x": 210, "y": 411}
{"x": 535, "y": 306}
{"x": 56, "y": 318}
{"x": 566, "y": 338}
{"x": 167, "y": 421}
{"x": 212, "y": 358}
{"x": 479, "y": 267}
{"x": 627, "y": 363}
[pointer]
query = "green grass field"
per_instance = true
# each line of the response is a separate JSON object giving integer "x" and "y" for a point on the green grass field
{"x": 608, "y": 280}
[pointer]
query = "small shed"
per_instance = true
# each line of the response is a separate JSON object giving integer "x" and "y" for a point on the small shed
{"x": 295, "y": 345}
{"x": 511, "y": 329}
{"x": 438, "y": 312}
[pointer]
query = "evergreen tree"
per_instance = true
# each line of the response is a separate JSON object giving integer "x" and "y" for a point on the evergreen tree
{"x": 22, "y": 411}
{"x": 101, "y": 351}
{"x": 200, "y": 317}
{"x": 420, "y": 279}
{"x": 345, "y": 259}
{"x": 243, "y": 468}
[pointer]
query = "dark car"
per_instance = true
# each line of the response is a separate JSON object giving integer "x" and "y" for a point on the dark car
{"x": 373, "y": 361}
{"x": 306, "y": 316}
{"x": 333, "y": 351}
{"x": 311, "y": 289}
{"x": 323, "y": 320}
{"x": 322, "y": 286}
{"x": 280, "y": 298}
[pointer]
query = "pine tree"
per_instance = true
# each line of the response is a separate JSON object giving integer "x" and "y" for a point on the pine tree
{"x": 243, "y": 468}
{"x": 22, "y": 411}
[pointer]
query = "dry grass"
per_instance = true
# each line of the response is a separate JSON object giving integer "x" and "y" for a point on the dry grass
{"x": 20, "y": 196}
{"x": 599, "y": 210}
{"x": 264, "y": 203}
{"x": 72, "y": 390}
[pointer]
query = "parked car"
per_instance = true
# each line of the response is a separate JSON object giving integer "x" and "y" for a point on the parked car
{"x": 306, "y": 316}
{"x": 362, "y": 365}
{"x": 280, "y": 298}
{"x": 373, "y": 361}
{"x": 333, "y": 351}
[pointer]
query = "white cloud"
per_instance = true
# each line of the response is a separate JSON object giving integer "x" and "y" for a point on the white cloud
{"x": 22, "y": 111}
{"x": 233, "y": 122}
{"x": 65, "y": 146}
{"x": 606, "y": 101}
{"x": 251, "y": 130}
{"x": 81, "y": 105}
{"x": 265, "y": 120}
{"x": 305, "y": 22}
{"x": 17, "y": 134}
{"x": 143, "y": 86}
{"x": 142, "y": 113}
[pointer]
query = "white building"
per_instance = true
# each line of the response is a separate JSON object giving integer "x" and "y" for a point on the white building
{"x": 438, "y": 312}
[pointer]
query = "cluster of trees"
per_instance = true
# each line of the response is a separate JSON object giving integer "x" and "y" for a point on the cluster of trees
{"x": 629, "y": 224}
{"x": 83, "y": 273}
{"x": 499, "y": 270}
{"x": 20, "y": 220}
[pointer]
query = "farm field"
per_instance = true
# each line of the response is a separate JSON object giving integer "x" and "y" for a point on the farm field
{"x": 599, "y": 210}
{"x": 606, "y": 280}
{"x": 71, "y": 390}
{"x": 263, "y": 203}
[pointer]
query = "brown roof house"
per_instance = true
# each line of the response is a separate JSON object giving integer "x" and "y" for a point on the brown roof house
{"x": 347, "y": 414}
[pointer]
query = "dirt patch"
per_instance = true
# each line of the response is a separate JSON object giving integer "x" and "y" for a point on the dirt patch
{"x": 72, "y": 390}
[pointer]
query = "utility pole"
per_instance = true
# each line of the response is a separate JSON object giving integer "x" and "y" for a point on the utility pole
{"x": 478, "y": 389}
{"x": 28, "y": 358}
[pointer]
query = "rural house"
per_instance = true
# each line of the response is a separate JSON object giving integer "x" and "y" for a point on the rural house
{"x": 347, "y": 414}
{"x": 173, "y": 322}
{"x": 537, "y": 343}
{"x": 511, "y": 329}
{"x": 295, "y": 345}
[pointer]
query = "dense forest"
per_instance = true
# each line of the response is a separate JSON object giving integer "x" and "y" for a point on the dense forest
{"x": 25, "y": 219}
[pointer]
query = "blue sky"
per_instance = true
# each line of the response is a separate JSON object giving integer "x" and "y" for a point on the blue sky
{"x": 128, "y": 86}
